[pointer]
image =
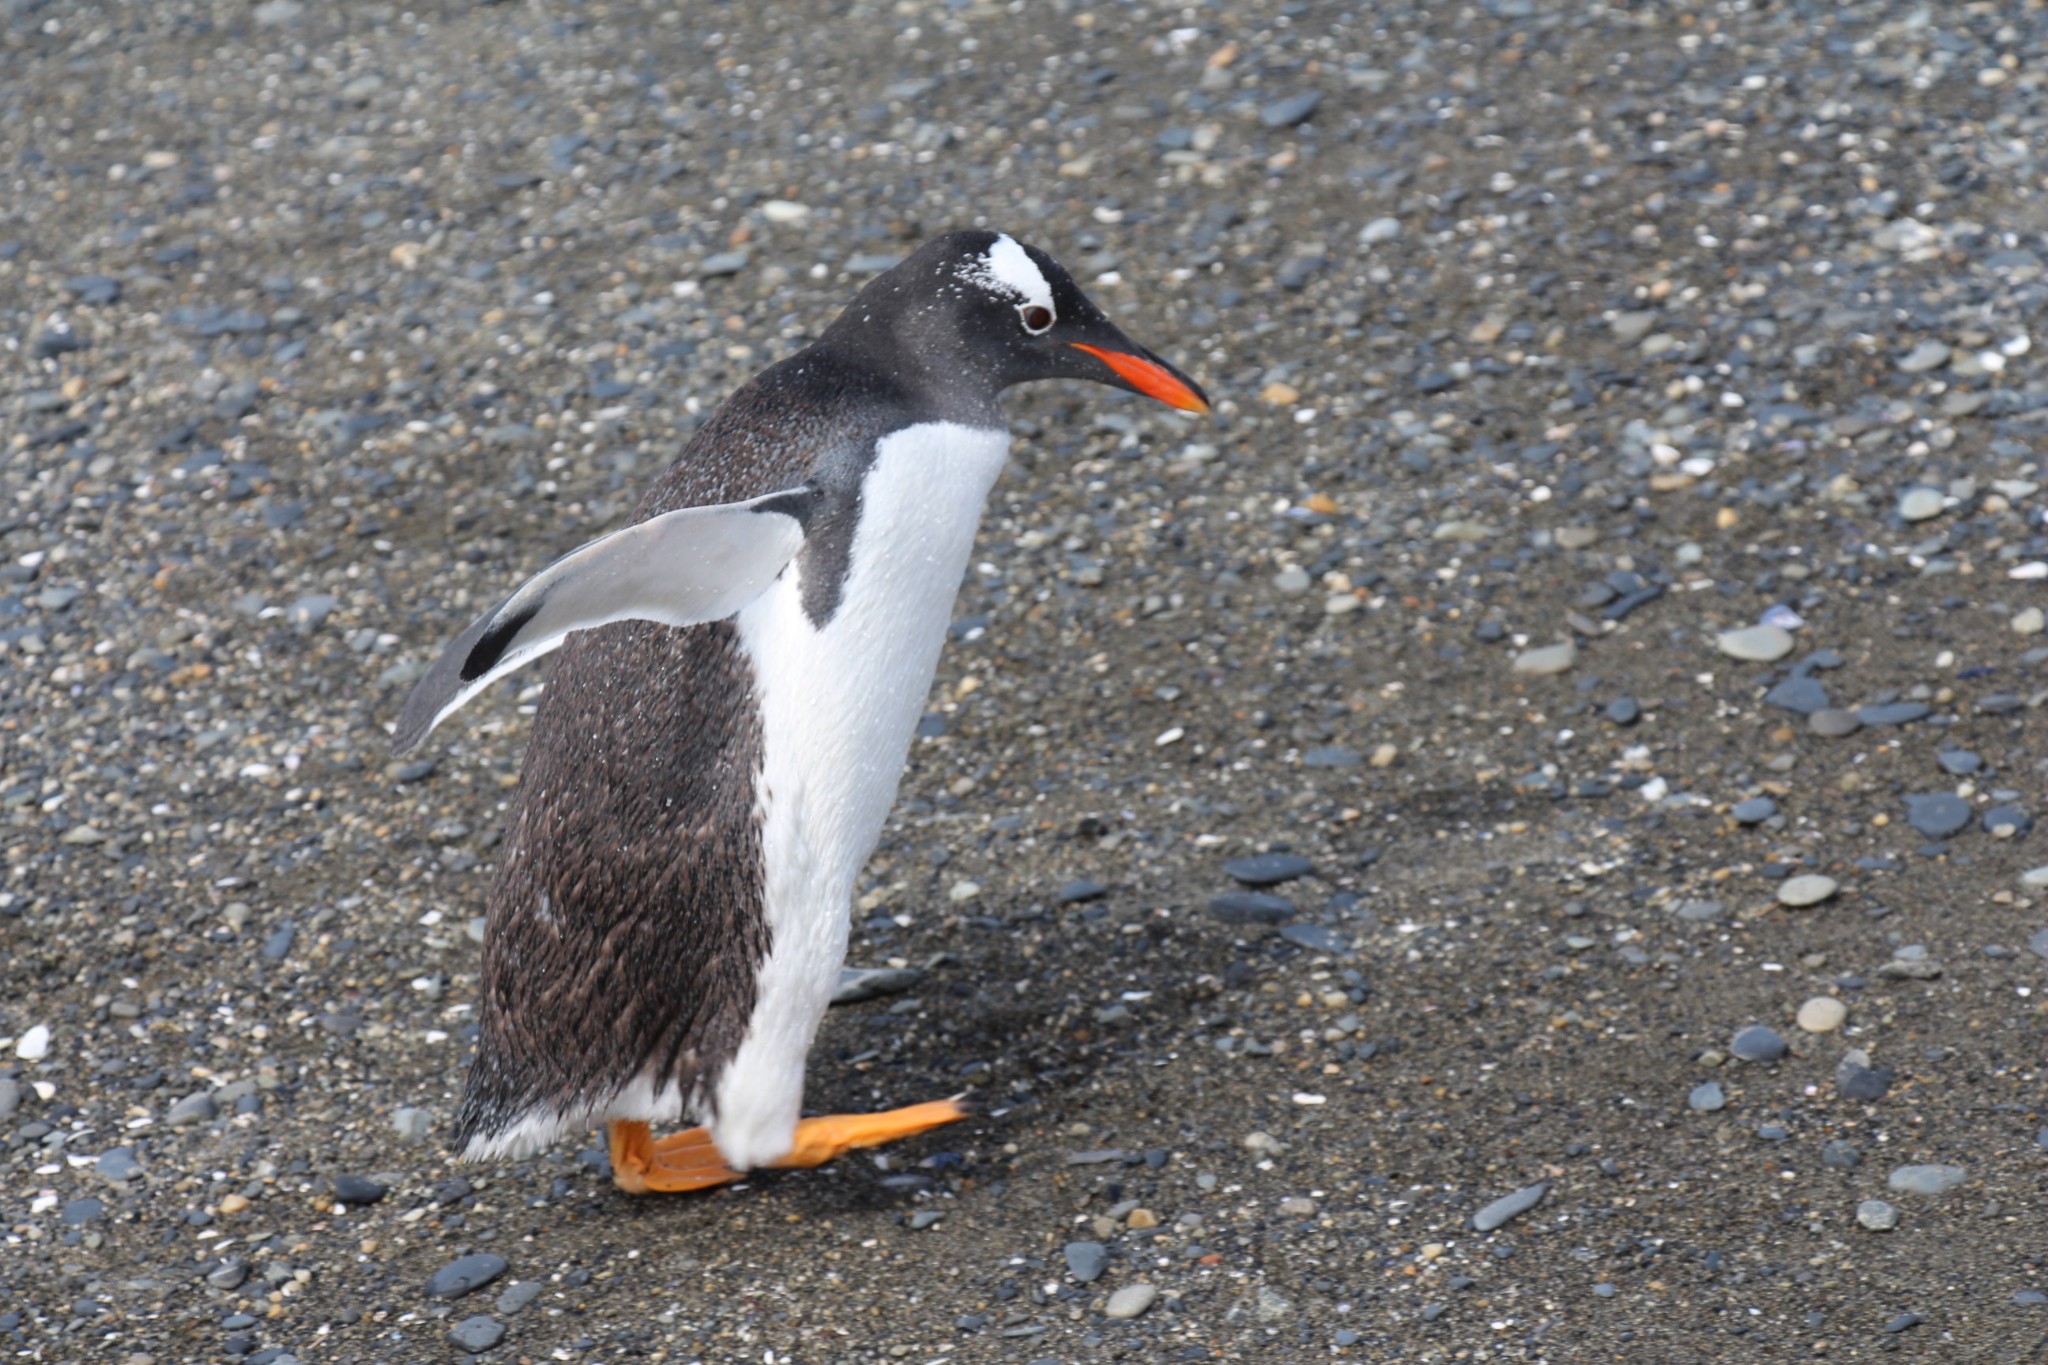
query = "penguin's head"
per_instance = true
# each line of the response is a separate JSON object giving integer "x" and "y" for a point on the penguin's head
{"x": 982, "y": 311}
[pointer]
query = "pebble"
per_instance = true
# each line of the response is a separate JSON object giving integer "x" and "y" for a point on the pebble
{"x": 358, "y": 1189}
{"x": 33, "y": 1045}
{"x": 1840, "y": 1155}
{"x": 1822, "y": 1014}
{"x": 465, "y": 1275}
{"x": 478, "y": 1333}
{"x": 2029, "y": 621}
{"x": 1079, "y": 890}
{"x": 1251, "y": 907}
{"x": 10, "y": 1093}
{"x": 870, "y": 983}
{"x": 1624, "y": 711}
{"x": 1757, "y": 1044}
{"x": 1509, "y": 1206}
{"x": 1380, "y": 231}
{"x": 1268, "y": 869}
{"x": 1937, "y": 814}
{"x": 1756, "y": 644}
{"x": 1901, "y": 1323}
{"x": 1330, "y": 756}
{"x": 228, "y": 1274}
{"x": 1086, "y": 1260}
{"x": 1131, "y": 1301}
{"x": 411, "y": 1123}
{"x": 2037, "y": 944}
{"x": 1928, "y": 355}
{"x": 1290, "y": 110}
{"x": 517, "y": 1295}
{"x": 1807, "y": 889}
{"x": 1877, "y": 1215}
{"x": 1292, "y": 581}
{"x": 2007, "y": 821}
{"x": 1864, "y": 1084}
{"x": 1832, "y": 723}
{"x": 1927, "y": 1179}
{"x": 1754, "y": 811}
{"x": 723, "y": 263}
{"x": 1546, "y": 660}
{"x": 195, "y": 1108}
{"x": 1708, "y": 1097}
{"x": 118, "y": 1164}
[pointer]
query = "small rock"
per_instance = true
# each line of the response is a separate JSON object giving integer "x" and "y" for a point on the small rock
{"x": 1087, "y": 1260}
{"x": 870, "y": 983}
{"x": 1756, "y": 644}
{"x": 1271, "y": 1305}
{"x": 1877, "y": 1215}
{"x": 1330, "y": 756}
{"x": 477, "y": 1333}
{"x": 1902, "y": 1322}
{"x": 1754, "y": 811}
{"x": 1833, "y": 723}
{"x": 358, "y": 1189}
{"x": 1822, "y": 1014}
{"x": 33, "y": 1045}
{"x": 517, "y": 1295}
{"x": 228, "y": 1275}
{"x": 1708, "y": 1098}
{"x": 1378, "y": 231}
{"x": 1290, "y": 110}
{"x": 1131, "y": 1301}
{"x": 2007, "y": 821}
{"x": 1864, "y": 1084}
{"x": 1928, "y": 355}
{"x": 411, "y": 1123}
{"x": 1509, "y": 1206}
{"x": 1624, "y": 711}
{"x": 118, "y": 1164}
{"x": 465, "y": 1275}
{"x": 1928, "y": 1179}
{"x": 1080, "y": 890}
{"x": 1268, "y": 869}
{"x": 1937, "y": 814}
{"x": 1840, "y": 1155}
{"x": 722, "y": 264}
{"x": 2028, "y": 621}
{"x": 1758, "y": 1044}
{"x": 1808, "y": 889}
{"x": 1546, "y": 660}
{"x": 1251, "y": 907}
{"x": 1292, "y": 581}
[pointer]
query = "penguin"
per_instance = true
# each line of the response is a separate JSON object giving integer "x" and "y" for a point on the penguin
{"x": 740, "y": 673}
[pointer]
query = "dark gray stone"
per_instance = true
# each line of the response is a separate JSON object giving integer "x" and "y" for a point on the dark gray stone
{"x": 1251, "y": 907}
{"x": 1290, "y": 110}
{"x": 1268, "y": 869}
{"x": 1087, "y": 1260}
{"x": 478, "y": 1333}
{"x": 1754, "y": 811}
{"x": 359, "y": 1189}
{"x": 1937, "y": 814}
{"x": 465, "y": 1275}
{"x": 1509, "y": 1206}
{"x": 1757, "y": 1044}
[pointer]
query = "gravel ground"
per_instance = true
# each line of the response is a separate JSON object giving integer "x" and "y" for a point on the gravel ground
{"x": 1606, "y": 605}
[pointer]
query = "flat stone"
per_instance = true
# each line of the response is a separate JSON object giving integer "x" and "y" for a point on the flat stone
{"x": 517, "y": 1295}
{"x": 1937, "y": 814}
{"x": 1877, "y": 1215}
{"x": 1379, "y": 231}
{"x": 2037, "y": 943}
{"x": 1131, "y": 1301}
{"x": 78, "y": 1212}
{"x": 1756, "y": 644}
{"x": 1290, "y": 110}
{"x": 1317, "y": 938}
{"x": 1086, "y": 1260}
{"x": 1509, "y": 1206}
{"x": 465, "y": 1275}
{"x": 1928, "y": 355}
{"x": 1708, "y": 1097}
{"x": 118, "y": 1164}
{"x": 478, "y": 1333}
{"x": 1802, "y": 696}
{"x": 1079, "y": 890}
{"x": 1808, "y": 889}
{"x": 1894, "y": 713}
{"x": 1546, "y": 660}
{"x": 1822, "y": 1014}
{"x": 723, "y": 263}
{"x": 1927, "y": 1179}
{"x": 228, "y": 1274}
{"x": 1252, "y": 907}
{"x": 1757, "y": 1044}
{"x": 359, "y": 1189}
{"x": 1754, "y": 811}
{"x": 1830, "y": 723}
{"x": 2007, "y": 821}
{"x": 1331, "y": 756}
{"x": 1268, "y": 869}
{"x": 194, "y": 1108}
{"x": 1920, "y": 504}
{"x": 872, "y": 983}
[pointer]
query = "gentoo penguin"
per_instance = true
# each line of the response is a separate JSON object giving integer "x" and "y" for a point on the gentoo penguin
{"x": 741, "y": 671}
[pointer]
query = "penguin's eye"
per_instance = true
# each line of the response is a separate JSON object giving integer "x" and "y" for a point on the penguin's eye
{"x": 1036, "y": 317}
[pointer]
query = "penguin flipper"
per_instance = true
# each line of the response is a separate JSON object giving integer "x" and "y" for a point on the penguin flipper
{"x": 682, "y": 568}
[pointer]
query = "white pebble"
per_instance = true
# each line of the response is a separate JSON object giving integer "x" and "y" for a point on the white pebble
{"x": 1822, "y": 1014}
{"x": 33, "y": 1045}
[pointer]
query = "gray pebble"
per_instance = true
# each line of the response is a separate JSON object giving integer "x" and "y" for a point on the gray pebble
{"x": 1833, "y": 724}
{"x": 194, "y": 1108}
{"x": 1251, "y": 907}
{"x": 517, "y": 1295}
{"x": 1754, "y": 811}
{"x": 478, "y": 1333}
{"x": 1509, "y": 1206}
{"x": 1317, "y": 938}
{"x": 1877, "y": 1215}
{"x": 869, "y": 983}
{"x": 1902, "y": 1322}
{"x": 1937, "y": 814}
{"x": 1708, "y": 1097}
{"x": 1842, "y": 1156}
{"x": 411, "y": 1123}
{"x": 118, "y": 1164}
{"x": 723, "y": 263}
{"x": 78, "y": 1212}
{"x": 2007, "y": 821}
{"x": 1087, "y": 1260}
{"x": 1757, "y": 1043}
{"x": 10, "y": 1090}
{"x": 1330, "y": 756}
{"x": 1290, "y": 110}
{"x": 228, "y": 1274}
{"x": 924, "y": 1218}
{"x": 359, "y": 1189}
{"x": 1927, "y": 1179}
{"x": 465, "y": 1275}
{"x": 1928, "y": 355}
{"x": 1378, "y": 231}
{"x": 1268, "y": 869}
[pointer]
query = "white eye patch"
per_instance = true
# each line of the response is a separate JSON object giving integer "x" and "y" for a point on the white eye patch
{"x": 1007, "y": 269}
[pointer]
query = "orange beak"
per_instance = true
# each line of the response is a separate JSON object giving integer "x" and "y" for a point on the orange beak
{"x": 1150, "y": 378}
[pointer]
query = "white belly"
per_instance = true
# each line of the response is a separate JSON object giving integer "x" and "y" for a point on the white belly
{"x": 839, "y": 706}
